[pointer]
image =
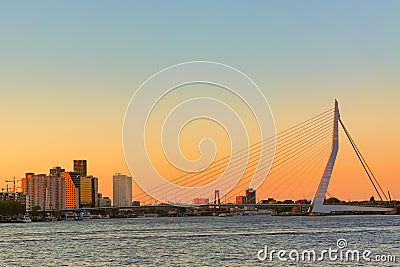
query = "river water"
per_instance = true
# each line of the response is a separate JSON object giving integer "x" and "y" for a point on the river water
{"x": 201, "y": 241}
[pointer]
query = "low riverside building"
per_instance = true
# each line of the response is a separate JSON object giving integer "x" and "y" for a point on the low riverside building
{"x": 103, "y": 201}
{"x": 16, "y": 196}
{"x": 241, "y": 200}
{"x": 201, "y": 200}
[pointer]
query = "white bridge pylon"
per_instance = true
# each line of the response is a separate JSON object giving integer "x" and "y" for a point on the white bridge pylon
{"x": 318, "y": 202}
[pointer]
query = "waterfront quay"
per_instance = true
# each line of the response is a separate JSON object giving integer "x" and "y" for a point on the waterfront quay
{"x": 168, "y": 210}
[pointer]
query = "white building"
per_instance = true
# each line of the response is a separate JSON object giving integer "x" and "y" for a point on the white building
{"x": 122, "y": 190}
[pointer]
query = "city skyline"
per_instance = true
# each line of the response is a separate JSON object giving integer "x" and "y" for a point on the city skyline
{"x": 67, "y": 82}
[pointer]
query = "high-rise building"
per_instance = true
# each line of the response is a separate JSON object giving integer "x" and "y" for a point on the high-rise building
{"x": 122, "y": 190}
{"x": 95, "y": 191}
{"x": 46, "y": 191}
{"x": 80, "y": 167}
{"x": 251, "y": 196}
{"x": 34, "y": 185}
{"x": 54, "y": 191}
{"x": 85, "y": 198}
{"x": 88, "y": 191}
{"x": 71, "y": 191}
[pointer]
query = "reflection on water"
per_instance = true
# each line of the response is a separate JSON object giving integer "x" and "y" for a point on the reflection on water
{"x": 191, "y": 241}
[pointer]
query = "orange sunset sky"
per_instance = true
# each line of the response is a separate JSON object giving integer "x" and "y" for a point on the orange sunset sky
{"x": 68, "y": 73}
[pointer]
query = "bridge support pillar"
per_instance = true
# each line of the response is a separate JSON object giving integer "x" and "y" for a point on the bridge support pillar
{"x": 319, "y": 198}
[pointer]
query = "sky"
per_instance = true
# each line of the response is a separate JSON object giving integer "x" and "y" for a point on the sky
{"x": 69, "y": 68}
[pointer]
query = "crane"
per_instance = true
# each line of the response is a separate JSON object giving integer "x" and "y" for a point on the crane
{"x": 2, "y": 189}
{"x": 12, "y": 181}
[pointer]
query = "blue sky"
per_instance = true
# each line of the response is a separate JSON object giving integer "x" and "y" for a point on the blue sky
{"x": 267, "y": 36}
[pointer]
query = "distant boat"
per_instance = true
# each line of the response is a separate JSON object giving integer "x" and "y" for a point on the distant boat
{"x": 71, "y": 216}
{"x": 51, "y": 218}
{"x": 222, "y": 215}
{"x": 85, "y": 216}
{"x": 265, "y": 212}
{"x": 25, "y": 219}
{"x": 257, "y": 212}
{"x": 151, "y": 215}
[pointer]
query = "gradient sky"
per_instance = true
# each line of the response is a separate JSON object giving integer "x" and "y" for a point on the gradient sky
{"x": 69, "y": 68}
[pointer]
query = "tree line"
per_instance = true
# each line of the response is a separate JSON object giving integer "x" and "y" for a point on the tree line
{"x": 9, "y": 208}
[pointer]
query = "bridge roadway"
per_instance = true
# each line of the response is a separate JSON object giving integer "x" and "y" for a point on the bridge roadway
{"x": 210, "y": 205}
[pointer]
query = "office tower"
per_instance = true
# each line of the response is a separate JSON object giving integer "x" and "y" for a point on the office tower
{"x": 80, "y": 167}
{"x": 95, "y": 191}
{"x": 122, "y": 190}
{"x": 85, "y": 198}
{"x": 88, "y": 191}
{"x": 251, "y": 196}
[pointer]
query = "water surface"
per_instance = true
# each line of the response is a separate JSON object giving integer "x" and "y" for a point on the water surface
{"x": 193, "y": 241}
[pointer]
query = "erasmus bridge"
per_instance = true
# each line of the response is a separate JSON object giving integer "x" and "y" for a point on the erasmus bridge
{"x": 301, "y": 151}
{"x": 305, "y": 156}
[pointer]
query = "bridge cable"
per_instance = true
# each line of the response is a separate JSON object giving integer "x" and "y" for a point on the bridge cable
{"x": 310, "y": 142}
{"x": 316, "y": 130}
{"x": 305, "y": 162}
{"x": 364, "y": 163}
{"x": 313, "y": 121}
